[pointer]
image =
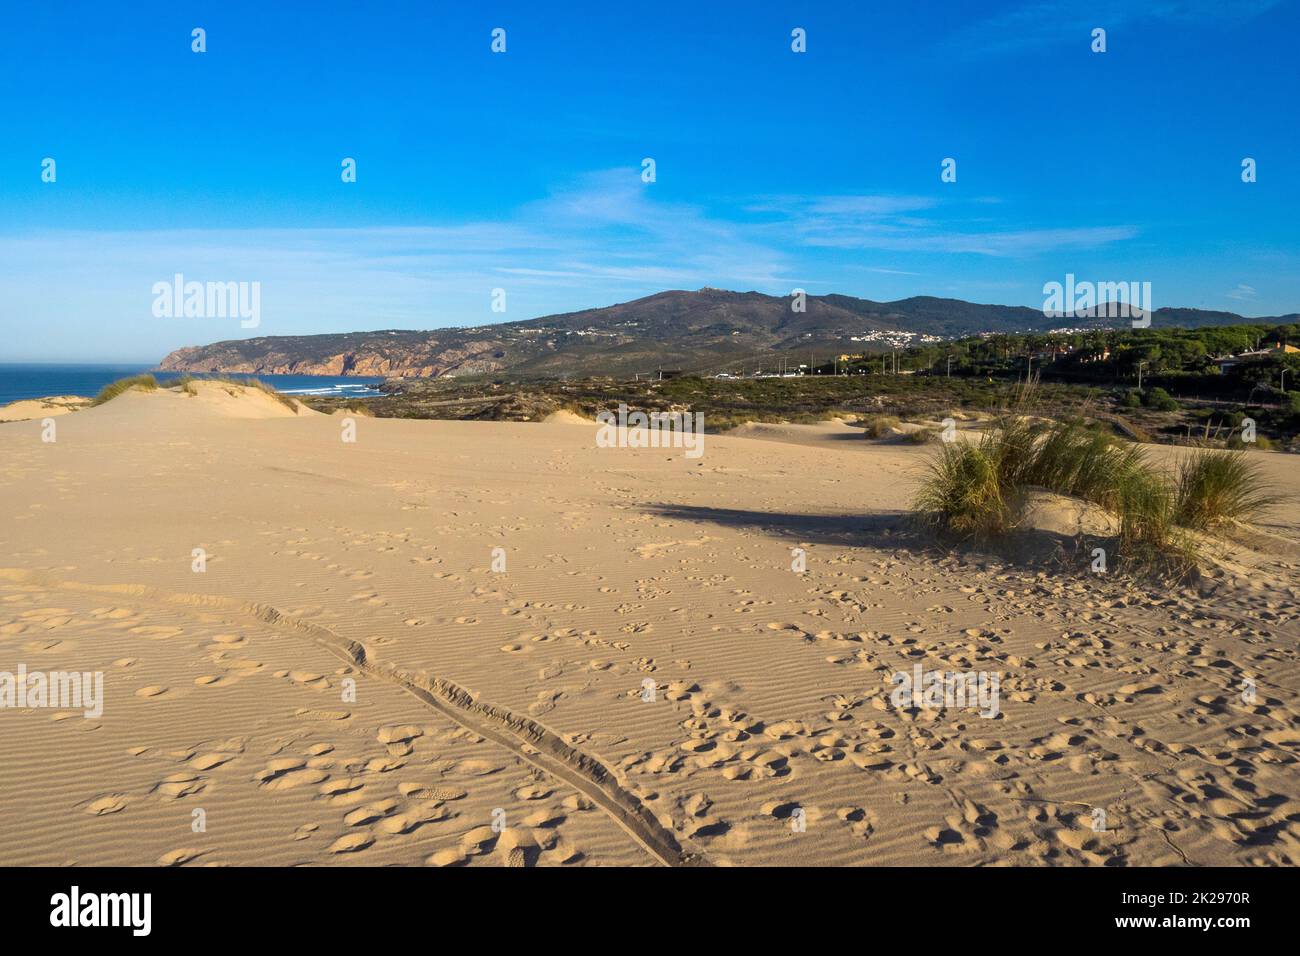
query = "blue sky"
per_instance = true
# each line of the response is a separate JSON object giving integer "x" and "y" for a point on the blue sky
{"x": 522, "y": 170}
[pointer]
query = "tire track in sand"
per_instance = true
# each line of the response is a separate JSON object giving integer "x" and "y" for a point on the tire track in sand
{"x": 522, "y": 736}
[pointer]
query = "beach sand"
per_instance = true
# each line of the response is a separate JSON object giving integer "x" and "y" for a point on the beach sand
{"x": 41, "y": 407}
{"x": 353, "y": 678}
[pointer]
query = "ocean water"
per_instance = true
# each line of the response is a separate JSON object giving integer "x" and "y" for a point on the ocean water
{"x": 37, "y": 381}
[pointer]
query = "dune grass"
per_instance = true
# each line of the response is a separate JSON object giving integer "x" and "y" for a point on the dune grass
{"x": 186, "y": 384}
{"x": 964, "y": 493}
{"x": 280, "y": 397}
{"x": 1218, "y": 487}
{"x": 110, "y": 391}
{"x": 973, "y": 490}
{"x": 879, "y": 426}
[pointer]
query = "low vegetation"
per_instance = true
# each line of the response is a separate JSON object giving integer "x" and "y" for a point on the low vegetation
{"x": 1219, "y": 487}
{"x": 186, "y": 385}
{"x": 261, "y": 386}
{"x": 113, "y": 389}
{"x": 879, "y": 426}
{"x": 974, "y": 490}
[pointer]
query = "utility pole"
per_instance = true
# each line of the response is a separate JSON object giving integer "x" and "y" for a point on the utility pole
{"x": 950, "y": 366}
{"x": 1140, "y": 364}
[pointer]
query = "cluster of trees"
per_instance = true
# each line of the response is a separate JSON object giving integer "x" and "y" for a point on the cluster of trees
{"x": 1182, "y": 360}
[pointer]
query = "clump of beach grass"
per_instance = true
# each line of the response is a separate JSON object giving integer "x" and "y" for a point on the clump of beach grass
{"x": 973, "y": 490}
{"x": 1150, "y": 539}
{"x": 110, "y": 391}
{"x": 964, "y": 493}
{"x": 879, "y": 426}
{"x": 185, "y": 383}
{"x": 279, "y": 396}
{"x": 1219, "y": 487}
{"x": 258, "y": 384}
{"x": 1069, "y": 459}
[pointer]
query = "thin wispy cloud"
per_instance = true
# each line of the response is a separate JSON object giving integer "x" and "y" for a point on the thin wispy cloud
{"x": 920, "y": 225}
{"x": 604, "y": 237}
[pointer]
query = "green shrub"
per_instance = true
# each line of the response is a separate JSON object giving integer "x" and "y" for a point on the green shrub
{"x": 1070, "y": 459}
{"x": 1261, "y": 443}
{"x": 973, "y": 491}
{"x": 1216, "y": 487}
{"x": 1160, "y": 400}
{"x": 963, "y": 493}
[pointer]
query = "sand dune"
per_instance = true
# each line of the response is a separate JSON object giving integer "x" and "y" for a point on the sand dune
{"x": 637, "y": 676}
{"x": 41, "y": 407}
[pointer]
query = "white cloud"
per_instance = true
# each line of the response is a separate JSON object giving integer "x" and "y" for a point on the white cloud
{"x": 605, "y": 238}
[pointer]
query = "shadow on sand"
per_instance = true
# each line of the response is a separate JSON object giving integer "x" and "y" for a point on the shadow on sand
{"x": 890, "y": 530}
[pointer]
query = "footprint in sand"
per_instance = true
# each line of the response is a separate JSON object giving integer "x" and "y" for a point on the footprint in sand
{"x": 111, "y": 613}
{"x": 242, "y": 666}
{"x": 344, "y": 791}
{"x": 180, "y": 785}
{"x": 210, "y": 761}
{"x": 414, "y": 818}
{"x": 286, "y": 773}
{"x": 370, "y": 813}
{"x": 479, "y": 840}
{"x": 402, "y": 734}
{"x": 306, "y": 678}
{"x": 113, "y": 803}
{"x": 351, "y": 843}
{"x": 533, "y": 792}
{"x": 212, "y": 680}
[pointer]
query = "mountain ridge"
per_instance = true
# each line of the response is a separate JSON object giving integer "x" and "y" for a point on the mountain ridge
{"x": 705, "y": 329}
